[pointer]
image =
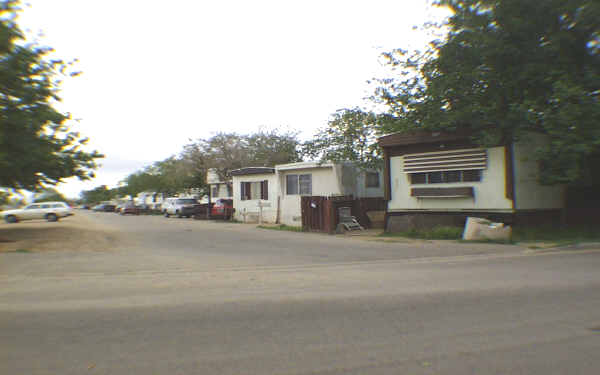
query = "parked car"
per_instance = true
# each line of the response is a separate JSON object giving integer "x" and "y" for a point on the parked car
{"x": 104, "y": 207}
{"x": 180, "y": 207}
{"x": 222, "y": 209}
{"x": 51, "y": 211}
{"x": 129, "y": 208}
{"x": 119, "y": 207}
{"x": 143, "y": 208}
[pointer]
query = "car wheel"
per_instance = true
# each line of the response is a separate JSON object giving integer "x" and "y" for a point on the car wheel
{"x": 51, "y": 217}
{"x": 178, "y": 214}
{"x": 11, "y": 219}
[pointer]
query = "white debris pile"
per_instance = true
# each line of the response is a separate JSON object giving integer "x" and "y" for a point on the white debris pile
{"x": 482, "y": 229}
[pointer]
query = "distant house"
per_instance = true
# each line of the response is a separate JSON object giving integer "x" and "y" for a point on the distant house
{"x": 434, "y": 178}
{"x": 149, "y": 198}
{"x": 322, "y": 179}
{"x": 219, "y": 187}
{"x": 279, "y": 190}
{"x": 255, "y": 192}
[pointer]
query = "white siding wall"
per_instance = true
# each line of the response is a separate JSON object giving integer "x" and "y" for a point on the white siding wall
{"x": 489, "y": 192}
{"x": 363, "y": 191}
{"x": 529, "y": 193}
{"x": 248, "y": 209}
{"x": 212, "y": 176}
{"x": 325, "y": 182}
{"x": 222, "y": 193}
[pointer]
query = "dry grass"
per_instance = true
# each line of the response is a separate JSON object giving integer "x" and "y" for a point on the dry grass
{"x": 73, "y": 234}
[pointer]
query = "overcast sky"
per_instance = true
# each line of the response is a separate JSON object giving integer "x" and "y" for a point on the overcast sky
{"x": 159, "y": 73}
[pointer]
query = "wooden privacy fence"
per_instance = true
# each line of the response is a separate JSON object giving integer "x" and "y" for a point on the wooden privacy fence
{"x": 320, "y": 214}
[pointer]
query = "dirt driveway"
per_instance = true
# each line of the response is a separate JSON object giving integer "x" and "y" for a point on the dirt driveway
{"x": 72, "y": 233}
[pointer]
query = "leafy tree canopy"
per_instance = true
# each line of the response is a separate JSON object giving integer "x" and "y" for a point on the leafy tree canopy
{"x": 37, "y": 145}
{"x": 350, "y": 135}
{"x": 49, "y": 195}
{"x": 228, "y": 151}
{"x": 506, "y": 69}
{"x": 98, "y": 194}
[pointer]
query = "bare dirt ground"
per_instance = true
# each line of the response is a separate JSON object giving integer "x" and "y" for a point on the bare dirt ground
{"x": 72, "y": 233}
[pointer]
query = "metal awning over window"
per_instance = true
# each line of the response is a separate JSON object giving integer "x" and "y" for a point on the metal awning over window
{"x": 445, "y": 161}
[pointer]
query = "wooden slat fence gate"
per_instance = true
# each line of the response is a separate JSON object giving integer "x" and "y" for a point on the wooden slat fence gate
{"x": 321, "y": 214}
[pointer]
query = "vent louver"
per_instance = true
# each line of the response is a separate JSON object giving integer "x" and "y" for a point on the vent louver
{"x": 445, "y": 161}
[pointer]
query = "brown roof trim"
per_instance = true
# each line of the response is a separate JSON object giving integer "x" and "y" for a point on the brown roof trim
{"x": 252, "y": 170}
{"x": 422, "y": 137}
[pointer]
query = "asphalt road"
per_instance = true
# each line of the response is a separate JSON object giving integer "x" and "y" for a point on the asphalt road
{"x": 187, "y": 297}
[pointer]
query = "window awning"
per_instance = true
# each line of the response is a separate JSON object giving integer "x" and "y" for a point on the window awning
{"x": 455, "y": 160}
{"x": 457, "y": 192}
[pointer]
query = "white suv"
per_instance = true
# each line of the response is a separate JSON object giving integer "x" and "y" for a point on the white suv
{"x": 51, "y": 211}
{"x": 180, "y": 207}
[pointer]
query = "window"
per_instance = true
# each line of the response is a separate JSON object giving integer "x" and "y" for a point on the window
{"x": 214, "y": 191}
{"x": 254, "y": 190}
{"x": 305, "y": 183}
{"x": 264, "y": 190}
{"x": 245, "y": 191}
{"x": 418, "y": 178}
{"x": 291, "y": 183}
{"x": 372, "y": 179}
{"x": 445, "y": 177}
{"x": 298, "y": 184}
{"x": 472, "y": 175}
{"x": 452, "y": 176}
{"x": 435, "y": 177}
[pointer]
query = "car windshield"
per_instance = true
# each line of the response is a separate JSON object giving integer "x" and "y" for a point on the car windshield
{"x": 186, "y": 201}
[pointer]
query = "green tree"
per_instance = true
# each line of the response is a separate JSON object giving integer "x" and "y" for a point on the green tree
{"x": 223, "y": 152}
{"x": 98, "y": 194}
{"x": 49, "y": 195}
{"x": 228, "y": 151}
{"x": 506, "y": 69}
{"x": 141, "y": 181}
{"x": 169, "y": 176}
{"x": 178, "y": 174}
{"x": 37, "y": 145}
{"x": 267, "y": 148}
{"x": 350, "y": 135}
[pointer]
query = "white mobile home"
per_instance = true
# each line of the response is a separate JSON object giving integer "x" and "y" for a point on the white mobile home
{"x": 322, "y": 179}
{"x": 220, "y": 187}
{"x": 255, "y": 194}
{"x": 440, "y": 179}
{"x": 277, "y": 191}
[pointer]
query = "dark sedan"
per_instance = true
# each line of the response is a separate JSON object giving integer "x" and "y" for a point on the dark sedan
{"x": 129, "y": 208}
